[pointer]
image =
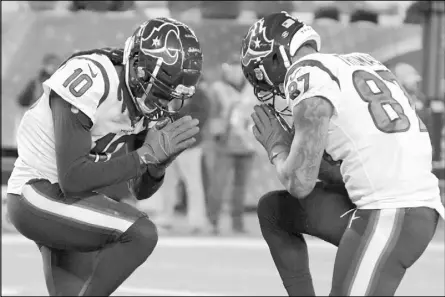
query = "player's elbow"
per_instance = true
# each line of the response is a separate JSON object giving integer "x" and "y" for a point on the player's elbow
{"x": 69, "y": 185}
{"x": 143, "y": 192}
{"x": 298, "y": 187}
{"x": 74, "y": 181}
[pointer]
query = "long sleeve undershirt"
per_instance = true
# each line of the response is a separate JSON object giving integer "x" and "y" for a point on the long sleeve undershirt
{"x": 77, "y": 172}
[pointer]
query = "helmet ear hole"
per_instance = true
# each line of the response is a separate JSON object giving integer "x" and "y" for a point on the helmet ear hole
{"x": 275, "y": 61}
{"x": 275, "y": 58}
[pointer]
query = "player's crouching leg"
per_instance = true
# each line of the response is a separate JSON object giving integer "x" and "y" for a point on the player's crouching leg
{"x": 120, "y": 261}
{"x": 279, "y": 215}
{"x": 144, "y": 235}
{"x": 65, "y": 227}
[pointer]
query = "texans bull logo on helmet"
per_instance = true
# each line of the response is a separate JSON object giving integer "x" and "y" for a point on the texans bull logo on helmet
{"x": 163, "y": 42}
{"x": 258, "y": 44}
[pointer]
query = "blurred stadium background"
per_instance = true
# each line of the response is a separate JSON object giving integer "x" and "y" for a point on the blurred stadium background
{"x": 392, "y": 31}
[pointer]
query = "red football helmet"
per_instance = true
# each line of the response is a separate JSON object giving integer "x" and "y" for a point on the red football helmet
{"x": 267, "y": 50}
{"x": 163, "y": 62}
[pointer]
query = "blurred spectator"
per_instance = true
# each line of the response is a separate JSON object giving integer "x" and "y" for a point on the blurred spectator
{"x": 187, "y": 168}
{"x": 229, "y": 161}
{"x": 34, "y": 89}
{"x": 411, "y": 82}
{"x": 327, "y": 15}
{"x": 363, "y": 15}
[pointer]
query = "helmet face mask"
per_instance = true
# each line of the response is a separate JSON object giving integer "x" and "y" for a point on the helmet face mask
{"x": 267, "y": 51}
{"x": 163, "y": 61}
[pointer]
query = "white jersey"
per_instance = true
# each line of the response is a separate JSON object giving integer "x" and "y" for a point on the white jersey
{"x": 385, "y": 148}
{"x": 89, "y": 83}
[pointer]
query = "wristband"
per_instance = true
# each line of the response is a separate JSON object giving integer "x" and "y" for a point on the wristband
{"x": 144, "y": 155}
{"x": 156, "y": 179}
{"x": 276, "y": 151}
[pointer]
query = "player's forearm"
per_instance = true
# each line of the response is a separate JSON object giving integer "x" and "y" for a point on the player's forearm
{"x": 301, "y": 167}
{"x": 298, "y": 181}
{"x": 85, "y": 175}
{"x": 328, "y": 173}
{"x": 149, "y": 183}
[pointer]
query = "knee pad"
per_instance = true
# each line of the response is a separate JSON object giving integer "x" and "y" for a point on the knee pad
{"x": 144, "y": 233}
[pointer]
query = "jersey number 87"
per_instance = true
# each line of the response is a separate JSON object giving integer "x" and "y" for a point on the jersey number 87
{"x": 388, "y": 115}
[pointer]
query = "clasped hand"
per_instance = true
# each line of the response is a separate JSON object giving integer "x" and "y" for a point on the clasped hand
{"x": 166, "y": 140}
{"x": 271, "y": 130}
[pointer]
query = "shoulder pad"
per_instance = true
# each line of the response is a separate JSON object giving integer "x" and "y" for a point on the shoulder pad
{"x": 317, "y": 61}
{"x": 314, "y": 75}
{"x": 83, "y": 82}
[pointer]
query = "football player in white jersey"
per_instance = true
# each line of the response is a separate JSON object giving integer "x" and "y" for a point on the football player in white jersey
{"x": 350, "y": 109}
{"x": 70, "y": 146}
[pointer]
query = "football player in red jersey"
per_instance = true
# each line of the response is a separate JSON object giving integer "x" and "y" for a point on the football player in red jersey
{"x": 352, "y": 108}
{"x": 94, "y": 105}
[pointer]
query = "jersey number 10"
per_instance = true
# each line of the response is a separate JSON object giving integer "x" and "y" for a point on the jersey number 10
{"x": 388, "y": 115}
{"x": 83, "y": 78}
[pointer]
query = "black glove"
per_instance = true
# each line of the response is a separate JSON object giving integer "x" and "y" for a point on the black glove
{"x": 271, "y": 130}
{"x": 167, "y": 139}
